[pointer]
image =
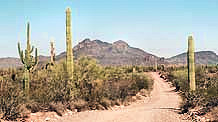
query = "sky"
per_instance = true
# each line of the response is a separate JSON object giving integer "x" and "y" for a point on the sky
{"x": 160, "y": 27}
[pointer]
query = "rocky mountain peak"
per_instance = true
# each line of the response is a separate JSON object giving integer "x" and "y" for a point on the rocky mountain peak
{"x": 120, "y": 44}
{"x": 87, "y": 40}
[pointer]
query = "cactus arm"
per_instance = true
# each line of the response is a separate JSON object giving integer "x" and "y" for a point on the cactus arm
{"x": 36, "y": 57}
{"x": 35, "y": 61}
{"x": 20, "y": 53}
{"x": 22, "y": 57}
{"x": 19, "y": 50}
{"x": 31, "y": 50}
{"x": 54, "y": 58}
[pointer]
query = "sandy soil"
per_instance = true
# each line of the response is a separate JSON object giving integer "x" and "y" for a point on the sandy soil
{"x": 162, "y": 106}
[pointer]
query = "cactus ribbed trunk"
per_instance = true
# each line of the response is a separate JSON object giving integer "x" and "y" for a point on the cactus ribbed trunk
{"x": 191, "y": 63}
{"x": 28, "y": 48}
{"x": 26, "y": 83}
{"x": 52, "y": 53}
{"x": 69, "y": 55}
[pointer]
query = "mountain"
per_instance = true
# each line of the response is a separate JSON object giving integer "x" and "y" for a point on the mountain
{"x": 15, "y": 62}
{"x": 117, "y": 53}
{"x": 10, "y": 62}
{"x": 201, "y": 57}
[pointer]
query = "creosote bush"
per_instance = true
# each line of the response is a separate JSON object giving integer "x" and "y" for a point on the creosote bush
{"x": 93, "y": 87}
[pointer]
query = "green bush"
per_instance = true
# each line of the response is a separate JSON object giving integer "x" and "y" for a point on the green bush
{"x": 206, "y": 83}
{"x": 93, "y": 87}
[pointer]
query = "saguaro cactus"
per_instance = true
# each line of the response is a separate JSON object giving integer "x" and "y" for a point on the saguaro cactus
{"x": 155, "y": 64}
{"x": 191, "y": 63}
{"x": 69, "y": 55}
{"x": 52, "y": 52}
{"x": 28, "y": 60}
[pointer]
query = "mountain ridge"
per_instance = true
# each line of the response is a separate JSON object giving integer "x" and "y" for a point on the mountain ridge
{"x": 201, "y": 57}
{"x": 117, "y": 53}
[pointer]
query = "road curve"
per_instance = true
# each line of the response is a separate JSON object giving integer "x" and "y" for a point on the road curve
{"x": 162, "y": 106}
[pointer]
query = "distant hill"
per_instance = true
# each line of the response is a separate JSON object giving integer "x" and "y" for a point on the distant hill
{"x": 15, "y": 62}
{"x": 202, "y": 57}
{"x": 9, "y": 62}
{"x": 117, "y": 53}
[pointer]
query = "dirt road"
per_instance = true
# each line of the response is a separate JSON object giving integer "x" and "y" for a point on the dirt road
{"x": 160, "y": 107}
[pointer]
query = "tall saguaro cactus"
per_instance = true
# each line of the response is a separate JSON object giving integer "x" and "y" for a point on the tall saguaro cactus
{"x": 69, "y": 55}
{"x": 28, "y": 60}
{"x": 191, "y": 63}
{"x": 52, "y": 51}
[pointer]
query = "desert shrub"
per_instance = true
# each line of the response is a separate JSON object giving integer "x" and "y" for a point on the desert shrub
{"x": 89, "y": 77}
{"x": 51, "y": 86}
{"x": 212, "y": 69}
{"x": 80, "y": 105}
{"x": 58, "y": 107}
{"x": 92, "y": 87}
{"x": 141, "y": 81}
{"x": 206, "y": 93}
{"x": 11, "y": 97}
{"x": 46, "y": 87}
{"x": 179, "y": 79}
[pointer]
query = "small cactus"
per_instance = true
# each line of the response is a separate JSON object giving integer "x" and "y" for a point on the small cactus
{"x": 1, "y": 83}
{"x": 163, "y": 67}
{"x": 155, "y": 65}
{"x": 133, "y": 69}
{"x": 191, "y": 63}
{"x": 28, "y": 60}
